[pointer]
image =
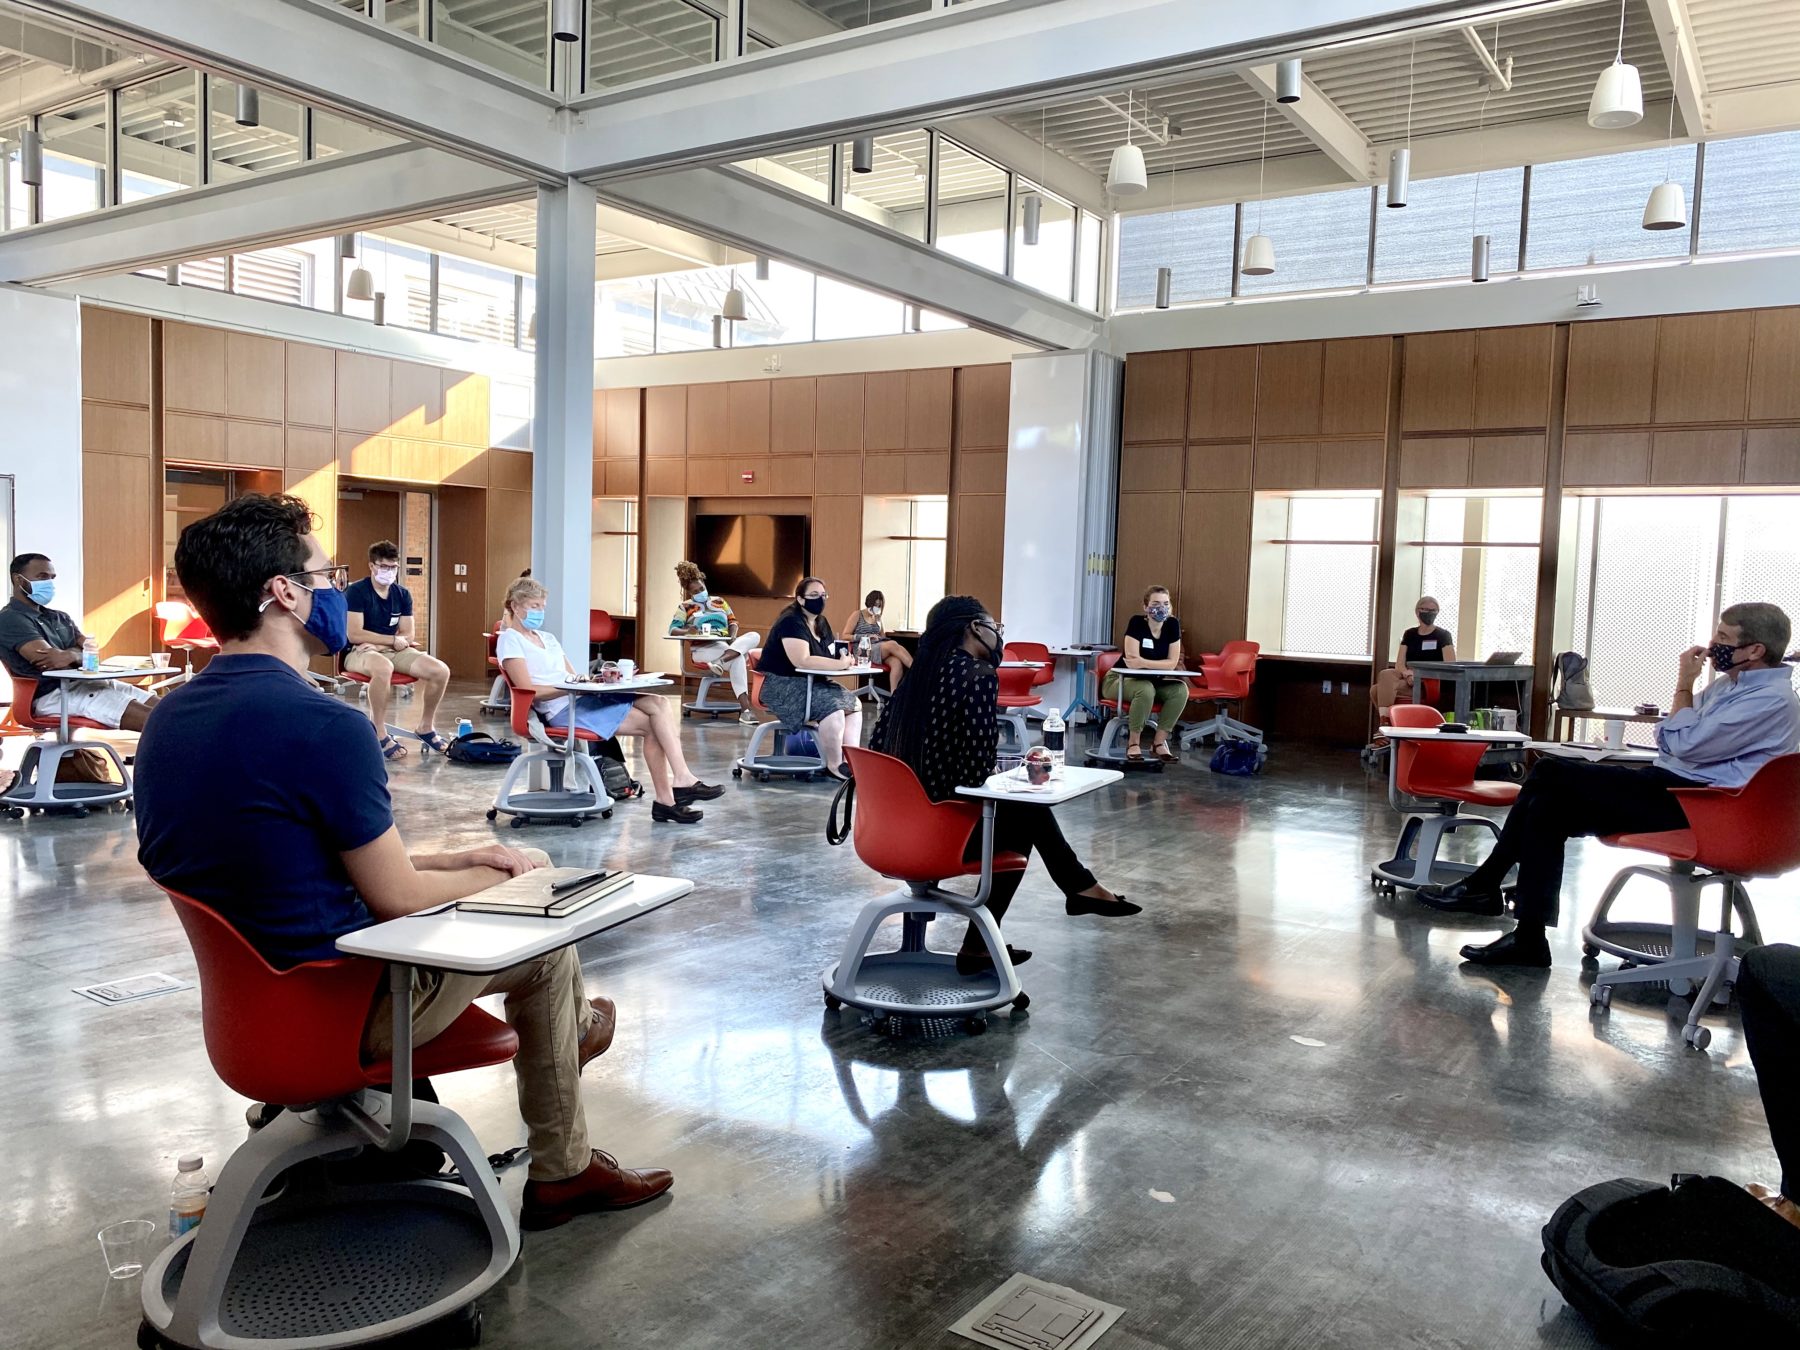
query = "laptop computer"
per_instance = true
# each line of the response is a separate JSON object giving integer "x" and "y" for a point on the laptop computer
{"x": 1503, "y": 659}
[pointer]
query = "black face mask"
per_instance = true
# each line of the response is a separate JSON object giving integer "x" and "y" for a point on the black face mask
{"x": 813, "y": 604}
{"x": 1428, "y": 616}
{"x": 994, "y": 643}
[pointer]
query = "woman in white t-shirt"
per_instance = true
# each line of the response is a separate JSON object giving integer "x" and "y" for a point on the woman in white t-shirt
{"x": 534, "y": 660}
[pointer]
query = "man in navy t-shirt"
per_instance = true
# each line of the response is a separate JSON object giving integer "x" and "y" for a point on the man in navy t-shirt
{"x": 267, "y": 800}
{"x": 383, "y": 644}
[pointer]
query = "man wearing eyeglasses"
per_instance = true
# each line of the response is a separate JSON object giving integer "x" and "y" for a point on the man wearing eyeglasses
{"x": 35, "y": 638}
{"x": 267, "y": 800}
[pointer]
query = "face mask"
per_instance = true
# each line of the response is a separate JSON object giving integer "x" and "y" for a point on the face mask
{"x": 703, "y": 597}
{"x": 41, "y": 592}
{"x": 1428, "y": 616}
{"x": 386, "y": 576}
{"x": 1723, "y": 655}
{"x": 534, "y": 619}
{"x": 1159, "y": 612}
{"x": 329, "y": 620}
{"x": 813, "y": 604}
{"x": 875, "y": 613}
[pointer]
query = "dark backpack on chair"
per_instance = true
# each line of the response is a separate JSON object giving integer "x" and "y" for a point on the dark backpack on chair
{"x": 1704, "y": 1263}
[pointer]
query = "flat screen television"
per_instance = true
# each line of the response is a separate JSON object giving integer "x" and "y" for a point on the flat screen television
{"x": 752, "y": 555}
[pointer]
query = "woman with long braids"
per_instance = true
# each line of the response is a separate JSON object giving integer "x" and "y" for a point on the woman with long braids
{"x": 941, "y": 723}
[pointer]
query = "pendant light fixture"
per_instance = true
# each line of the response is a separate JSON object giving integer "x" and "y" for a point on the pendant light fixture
{"x": 171, "y": 116}
{"x": 31, "y": 158}
{"x": 718, "y": 330}
{"x": 1400, "y": 161}
{"x": 172, "y": 275}
{"x": 565, "y": 20}
{"x": 361, "y": 285}
{"x": 249, "y": 107}
{"x": 1126, "y": 175}
{"x": 1480, "y": 243}
{"x": 1032, "y": 209}
{"x": 1165, "y": 275}
{"x": 862, "y": 155}
{"x": 380, "y": 309}
{"x": 346, "y": 246}
{"x": 1667, "y": 207}
{"x": 733, "y": 310}
{"x": 1259, "y": 252}
{"x": 1478, "y": 258}
{"x": 1289, "y": 83}
{"x": 1618, "y": 99}
{"x": 531, "y": 328}
{"x": 762, "y": 267}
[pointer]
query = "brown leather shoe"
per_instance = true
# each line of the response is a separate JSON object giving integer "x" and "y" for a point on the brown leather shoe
{"x": 603, "y": 1185}
{"x": 600, "y": 1030}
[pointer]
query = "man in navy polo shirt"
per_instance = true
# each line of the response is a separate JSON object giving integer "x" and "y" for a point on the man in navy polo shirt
{"x": 266, "y": 799}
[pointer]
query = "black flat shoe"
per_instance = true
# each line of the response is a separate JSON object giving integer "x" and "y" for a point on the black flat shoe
{"x": 698, "y": 792}
{"x": 980, "y": 963}
{"x": 1116, "y": 908}
{"x": 1460, "y": 899}
{"x": 679, "y": 813}
{"x": 1511, "y": 950}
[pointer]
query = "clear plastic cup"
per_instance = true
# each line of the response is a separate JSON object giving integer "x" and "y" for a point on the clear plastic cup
{"x": 126, "y": 1247}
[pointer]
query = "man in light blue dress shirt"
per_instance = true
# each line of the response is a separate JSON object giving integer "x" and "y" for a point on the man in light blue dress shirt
{"x": 1717, "y": 738}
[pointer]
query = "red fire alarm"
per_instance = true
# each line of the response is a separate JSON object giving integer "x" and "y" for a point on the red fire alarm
{"x": 748, "y": 477}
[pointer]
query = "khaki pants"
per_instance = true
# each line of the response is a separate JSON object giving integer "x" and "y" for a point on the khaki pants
{"x": 546, "y": 1003}
{"x": 403, "y": 662}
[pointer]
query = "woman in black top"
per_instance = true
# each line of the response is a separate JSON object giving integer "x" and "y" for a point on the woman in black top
{"x": 1425, "y": 645}
{"x": 800, "y": 640}
{"x": 1152, "y": 643}
{"x": 941, "y": 723}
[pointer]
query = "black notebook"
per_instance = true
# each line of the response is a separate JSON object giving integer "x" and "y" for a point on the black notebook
{"x": 548, "y": 892}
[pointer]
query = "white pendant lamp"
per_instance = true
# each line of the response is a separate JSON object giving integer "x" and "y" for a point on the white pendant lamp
{"x": 1288, "y": 82}
{"x": 1400, "y": 161}
{"x": 862, "y": 155}
{"x": 1165, "y": 284}
{"x": 1126, "y": 175}
{"x": 718, "y": 330}
{"x": 380, "y": 308}
{"x": 1478, "y": 259}
{"x": 733, "y": 310}
{"x": 1667, "y": 208}
{"x": 361, "y": 285}
{"x": 1032, "y": 213}
{"x": 1259, "y": 250}
{"x": 565, "y": 20}
{"x": 346, "y": 246}
{"x": 762, "y": 267}
{"x": 1618, "y": 99}
{"x": 171, "y": 116}
{"x": 1480, "y": 243}
{"x": 172, "y": 275}
{"x": 249, "y": 107}
{"x": 31, "y": 158}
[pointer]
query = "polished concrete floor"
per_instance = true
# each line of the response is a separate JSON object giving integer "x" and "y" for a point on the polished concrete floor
{"x": 1272, "y": 1111}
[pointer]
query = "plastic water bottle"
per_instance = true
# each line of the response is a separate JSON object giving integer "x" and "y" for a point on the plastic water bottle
{"x": 464, "y": 726}
{"x": 1054, "y": 732}
{"x": 187, "y": 1198}
{"x": 90, "y": 654}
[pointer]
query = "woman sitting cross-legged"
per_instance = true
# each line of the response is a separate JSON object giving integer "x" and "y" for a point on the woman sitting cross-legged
{"x": 941, "y": 722}
{"x": 534, "y": 660}
{"x": 801, "y": 640}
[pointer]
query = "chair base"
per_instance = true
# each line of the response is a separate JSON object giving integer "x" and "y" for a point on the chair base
{"x": 1111, "y": 750}
{"x": 705, "y": 703}
{"x": 575, "y": 792}
{"x": 38, "y": 790}
{"x": 322, "y": 1265}
{"x": 1225, "y": 728}
{"x": 913, "y": 981}
{"x": 1015, "y": 738}
{"x": 1415, "y": 861}
{"x": 763, "y": 766}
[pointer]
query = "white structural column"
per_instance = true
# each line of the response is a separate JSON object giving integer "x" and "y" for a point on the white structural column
{"x": 562, "y": 431}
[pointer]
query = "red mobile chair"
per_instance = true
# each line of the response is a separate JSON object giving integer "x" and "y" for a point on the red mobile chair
{"x": 1429, "y": 782}
{"x": 572, "y": 788}
{"x": 324, "y": 1265}
{"x": 183, "y": 630}
{"x": 1111, "y": 749}
{"x": 902, "y": 834}
{"x": 602, "y": 629}
{"x": 1014, "y": 697}
{"x": 1034, "y": 651}
{"x": 1732, "y": 834}
{"x": 703, "y": 699}
{"x": 402, "y": 685}
{"x": 36, "y": 788}
{"x": 495, "y": 705}
{"x": 760, "y": 764}
{"x": 1228, "y": 678}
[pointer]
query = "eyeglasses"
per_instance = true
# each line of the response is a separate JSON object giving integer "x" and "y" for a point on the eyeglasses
{"x": 336, "y": 575}
{"x": 997, "y": 629}
{"x": 822, "y": 595}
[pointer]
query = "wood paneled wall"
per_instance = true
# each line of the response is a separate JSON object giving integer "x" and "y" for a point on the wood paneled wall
{"x": 1707, "y": 401}
{"x": 828, "y": 442}
{"x": 121, "y": 480}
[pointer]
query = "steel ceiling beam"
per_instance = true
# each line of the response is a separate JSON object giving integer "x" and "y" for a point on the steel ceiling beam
{"x": 1323, "y": 123}
{"x": 332, "y": 58}
{"x": 328, "y": 197}
{"x": 761, "y": 219}
{"x": 961, "y": 62}
{"x": 1676, "y": 33}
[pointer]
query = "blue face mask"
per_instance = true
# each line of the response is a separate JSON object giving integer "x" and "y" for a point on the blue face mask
{"x": 41, "y": 592}
{"x": 702, "y": 598}
{"x": 534, "y": 619}
{"x": 1159, "y": 612}
{"x": 329, "y": 619}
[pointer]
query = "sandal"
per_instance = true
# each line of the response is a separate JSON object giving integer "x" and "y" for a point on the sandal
{"x": 1134, "y": 755}
{"x": 1166, "y": 755}
{"x": 433, "y": 740}
{"x": 392, "y": 749}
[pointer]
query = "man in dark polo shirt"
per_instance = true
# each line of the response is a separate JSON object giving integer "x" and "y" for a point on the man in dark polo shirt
{"x": 266, "y": 799}
{"x": 35, "y": 638}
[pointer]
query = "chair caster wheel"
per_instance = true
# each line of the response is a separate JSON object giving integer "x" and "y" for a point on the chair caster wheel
{"x": 518, "y": 822}
{"x": 493, "y": 814}
{"x": 833, "y": 1002}
{"x": 80, "y": 813}
{"x": 148, "y": 1337}
{"x": 1022, "y": 1002}
{"x": 1601, "y": 997}
{"x": 606, "y": 814}
{"x": 737, "y": 773}
{"x": 1589, "y": 950}
{"x": 1697, "y": 1037}
{"x": 575, "y": 824}
{"x": 1590, "y": 963}
{"x": 762, "y": 777}
{"x": 881, "y": 1024}
{"x": 976, "y": 1025}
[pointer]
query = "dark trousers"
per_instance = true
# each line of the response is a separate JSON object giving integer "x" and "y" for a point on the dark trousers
{"x": 1561, "y": 800}
{"x": 1020, "y": 827}
{"x": 1768, "y": 994}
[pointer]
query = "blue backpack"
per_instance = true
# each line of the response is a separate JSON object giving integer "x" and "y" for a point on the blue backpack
{"x": 1240, "y": 759}
{"x": 480, "y": 748}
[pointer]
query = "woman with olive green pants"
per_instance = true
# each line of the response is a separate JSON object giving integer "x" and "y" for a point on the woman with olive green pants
{"x": 1152, "y": 645}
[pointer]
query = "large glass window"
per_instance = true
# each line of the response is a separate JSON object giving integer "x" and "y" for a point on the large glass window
{"x": 403, "y": 274}
{"x": 1330, "y": 575}
{"x": 17, "y": 204}
{"x": 625, "y": 322}
{"x": 1586, "y": 208}
{"x": 893, "y": 192}
{"x": 1477, "y": 556}
{"x": 1048, "y": 264}
{"x": 807, "y": 172}
{"x": 282, "y": 274}
{"x": 971, "y": 221}
{"x": 510, "y": 38}
{"x": 74, "y": 159}
{"x": 851, "y": 312}
{"x": 1431, "y": 238}
{"x": 1321, "y": 242}
{"x": 780, "y": 21}
{"x": 475, "y": 301}
{"x": 1195, "y": 245}
{"x": 685, "y": 305}
{"x": 272, "y": 143}
{"x": 157, "y": 137}
{"x": 1091, "y": 246}
{"x": 637, "y": 39}
{"x": 1752, "y": 191}
{"x": 781, "y": 308}
{"x": 334, "y": 135}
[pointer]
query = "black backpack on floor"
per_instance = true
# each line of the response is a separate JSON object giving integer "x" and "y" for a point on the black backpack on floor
{"x": 609, "y": 755}
{"x": 1702, "y": 1263}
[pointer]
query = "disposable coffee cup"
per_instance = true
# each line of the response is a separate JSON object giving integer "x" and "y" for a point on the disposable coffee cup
{"x": 627, "y": 670}
{"x": 1615, "y": 734}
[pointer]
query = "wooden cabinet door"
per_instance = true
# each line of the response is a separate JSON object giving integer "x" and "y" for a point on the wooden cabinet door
{"x": 1697, "y": 458}
{"x": 1156, "y": 396}
{"x": 930, "y": 408}
{"x": 1775, "y": 365}
{"x": 884, "y": 411}
{"x": 1434, "y": 462}
{"x": 984, "y": 406}
{"x": 666, "y": 421}
{"x": 1286, "y": 465}
{"x": 709, "y": 420}
{"x": 364, "y": 401}
{"x": 1221, "y": 393}
{"x": 748, "y": 410}
{"x": 841, "y": 399}
{"x": 1612, "y": 369}
{"x": 310, "y": 385}
{"x": 1352, "y": 464}
{"x": 1702, "y": 367}
{"x": 793, "y": 416}
{"x": 1218, "y": 468}
{"x": 115, "y": 356}
{"x": 1508, "y": 461}
{"x": 1438, "y": 385}
{"x": 255, "y": 377}
{"x": 1512, "y": 376}
{"x": 467, "y": 408}
{"x": 1149, "y": 549}
{"x": 1355, "y": 386}
{"x": 1150, "y": 468}
{"x": 1289, "y": 386}
{"x": 193, "y": 368}
{"x": 1606, "y": 459}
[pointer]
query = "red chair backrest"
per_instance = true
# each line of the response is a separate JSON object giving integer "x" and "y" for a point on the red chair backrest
{"x": 1754, "y": 830}
{"x": 1105, "y": 662}
{"x": 899, "y": 831}
{"x": 1416, "y": 715}
{"x": 752, "y": 662}
{"x": 602, "y": 627}
{"x": 1033, "y": 651}
{"x": 522, "y": 700}
{"x": 1423, "y": 768}
{"x": 24, "y": 689}
{"x": 493, "y": 657}
{"x": 287, "y": 1037}
{"x": 183, "y": 624}
{"x": 1017, "y": 683}
{"x": 1231, "y": 677}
